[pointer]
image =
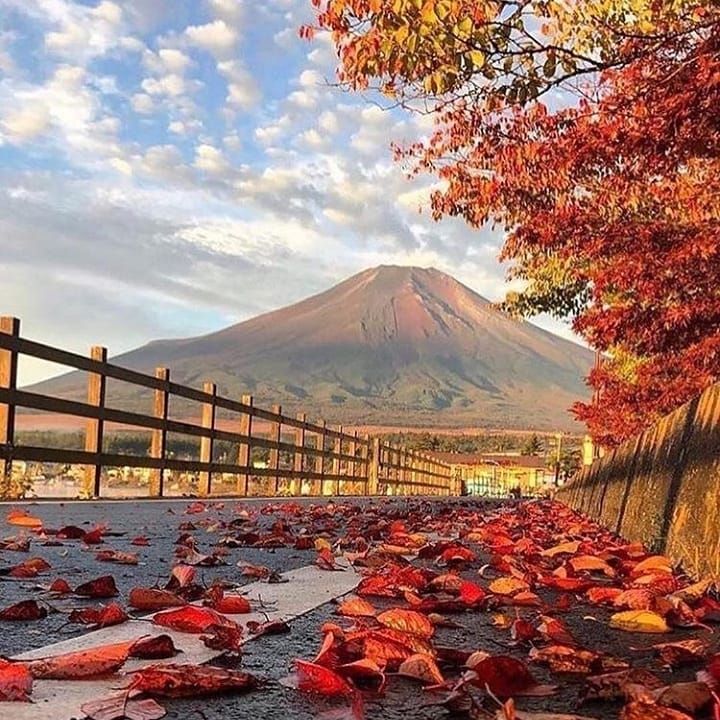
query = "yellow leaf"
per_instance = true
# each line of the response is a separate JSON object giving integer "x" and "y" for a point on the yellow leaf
{"x": 401, "y": 34}
{"x": 477, "y": 58}
{"x": 508, "y": 586}
{"x": 428, "y": 13}
{"x": 642, "y": 621}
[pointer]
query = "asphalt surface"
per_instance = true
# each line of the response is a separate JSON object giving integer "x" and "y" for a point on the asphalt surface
{"x": 271, "y": 657}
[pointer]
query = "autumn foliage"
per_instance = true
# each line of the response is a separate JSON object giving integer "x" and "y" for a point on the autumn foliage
{"x": 589, "y": 133}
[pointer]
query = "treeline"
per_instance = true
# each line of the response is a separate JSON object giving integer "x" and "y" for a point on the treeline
{"x": 484, "y": 443}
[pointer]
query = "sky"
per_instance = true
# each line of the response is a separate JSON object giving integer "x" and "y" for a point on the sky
{"x": 170, "y": 167}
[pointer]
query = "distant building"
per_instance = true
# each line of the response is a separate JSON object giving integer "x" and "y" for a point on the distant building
{"x": 495, "y": 475}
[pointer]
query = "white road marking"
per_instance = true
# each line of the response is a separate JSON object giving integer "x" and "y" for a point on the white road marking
{"x": 308, "y": 588}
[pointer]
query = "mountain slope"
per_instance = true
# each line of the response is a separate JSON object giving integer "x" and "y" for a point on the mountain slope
{"x": 389, "y": 345}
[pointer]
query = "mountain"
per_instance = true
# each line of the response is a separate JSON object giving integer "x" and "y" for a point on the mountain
{"x": 391, "y": 345}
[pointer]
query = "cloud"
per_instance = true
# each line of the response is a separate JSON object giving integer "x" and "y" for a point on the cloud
{"x": 172, "y": 85}
{"x": 243, "y": 91}
{"x": 217, "y": 37}
{"x": 210, "y": 160}
{"x": 166, "y": 61}
{"x": 142, "y": 103}
{"x": 26, "y": 123}
{"x": 231, "y": 11}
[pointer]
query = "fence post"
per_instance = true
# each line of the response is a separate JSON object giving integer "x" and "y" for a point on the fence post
{"x": 337, "y": 447}
{"x": 95, "y": 426}
{"x": 275, "y": 435}
{"x": 245, "y": 454}
{"x": 351, "y": 465}
{"x": 8, "y": 381}
{"x": 320, "y": 461}
{"x": 299, "y": 460}
{"x": 158, "y": 445}
{"x": 207, "y": 443}
{"x": 373, "y": 473}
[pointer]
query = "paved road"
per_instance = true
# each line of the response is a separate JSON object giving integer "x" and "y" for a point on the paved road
{"x": 271, "y": 657}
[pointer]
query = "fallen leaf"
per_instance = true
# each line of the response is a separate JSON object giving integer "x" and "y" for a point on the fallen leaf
{"x": 151, "y": 599}
{"x": 119, "y": 706}
{"x": 407, "y": 621}
{"x": 508, "y": 586}
{"x": 422, "y": 667}
{"x": 24, "y": 610}
{"x": 690, "y": 697}
{"x": 15, "y": 682}
{"x": 102, "y": 587}
{"x": 157, "y": 647}
{"x": 191, "y": 619}
{"x": 365, "y": 674}
{"x": 649, "y": 711}
{"x": 321, "y": 680}
{"x": 506, "y": 677}
{"x": 21, "y": 518}
{"x": 356, "y": 607}
{"x": 640, "y": 621}
{"x": 190, "y": 680}
{"x": 93, "y": 662}
{"x": 682, "y": 652}
{"x": 112, "y": 614}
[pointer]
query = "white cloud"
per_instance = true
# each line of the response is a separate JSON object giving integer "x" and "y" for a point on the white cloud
{"x": 243, "y": 91}
{"x": 172, "y": 85}
{"x": 210, "y": 160}
{"x": 233, "y": 142}
{"x": 328, "y": 122}
{"x": 166, "y": 61}
{"x": 143, "y": 104}
{"x": 216, "y": 37}
{"x": 121, "y": 165}
{"x": 313, "y": 139}
{"x": 26, "y": 123}
{"x": 229, "y": 10}
{"x": 108, "y": 11}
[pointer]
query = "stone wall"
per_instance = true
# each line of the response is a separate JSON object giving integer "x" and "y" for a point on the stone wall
{"x": 663, "y": 487}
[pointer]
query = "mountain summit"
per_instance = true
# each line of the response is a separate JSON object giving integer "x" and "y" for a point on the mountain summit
{"x": 389, "y": 345}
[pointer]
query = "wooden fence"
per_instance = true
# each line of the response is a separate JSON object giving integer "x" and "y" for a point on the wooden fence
{"x": 317, "y": 459}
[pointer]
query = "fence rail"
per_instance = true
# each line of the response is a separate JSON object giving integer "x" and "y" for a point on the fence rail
{"x": 319, "y": 459}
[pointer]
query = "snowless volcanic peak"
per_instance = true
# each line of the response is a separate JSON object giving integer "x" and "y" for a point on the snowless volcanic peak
{"x": 389, "y": 345}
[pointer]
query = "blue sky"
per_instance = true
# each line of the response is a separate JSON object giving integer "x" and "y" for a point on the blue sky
{"x": 168, "y": 167}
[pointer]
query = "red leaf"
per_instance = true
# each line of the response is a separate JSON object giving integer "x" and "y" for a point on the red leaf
{"x": 25, "y": 610}
{"x": 471, "y": 594}
{"x": 112, "y": 614}
{"x": 60, "y": 586}
{"x": 102, "y": 587}
{"x": 321, "y": 680}
{"x": 158, "y": 647}
{"x": 507, "y": 677}
{"x": 190, "y": 680}
{"x": 191, "y": 619}
{"x": 153, "y": 599}
{"x": 93, "y": 662}
{"x": 15, "y": 682}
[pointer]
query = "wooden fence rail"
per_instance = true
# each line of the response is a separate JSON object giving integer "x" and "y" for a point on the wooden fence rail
{"x": 319, "y": 459}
